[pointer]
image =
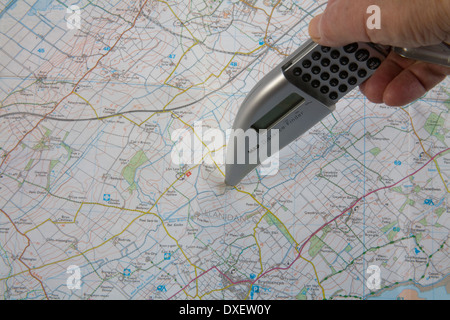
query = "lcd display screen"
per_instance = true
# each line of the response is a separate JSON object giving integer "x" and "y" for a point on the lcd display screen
{"x": 281, "y": 110}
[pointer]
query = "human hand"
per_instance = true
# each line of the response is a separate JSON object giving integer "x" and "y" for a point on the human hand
{"x": 404, "y": 23}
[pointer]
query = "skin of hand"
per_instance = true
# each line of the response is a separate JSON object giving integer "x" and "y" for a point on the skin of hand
{"x": 404, "y": 23}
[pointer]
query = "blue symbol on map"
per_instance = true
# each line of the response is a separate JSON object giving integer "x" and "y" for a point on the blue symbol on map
{"x": 255, "y": 289}
{"x": 167, "y": 256}
{"x": 106, "y": 48}
{"x": 429, "y": 202}
{"x": 41, "y": 50}
{"x": 172, "y": 56}
{"x": 233, "y": 64}
{"x": 252, "y": 276}
{"x": 106, "y": 197}
{"x": 161, "y": 288}
{"x": 416, "y": 251}
{"x": 126, "y": 272}
{"x": 397, "y": 162}
{"x": 261, "y": 42}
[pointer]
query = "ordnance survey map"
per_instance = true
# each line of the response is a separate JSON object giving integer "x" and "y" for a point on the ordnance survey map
{"x": 93, "y": 207}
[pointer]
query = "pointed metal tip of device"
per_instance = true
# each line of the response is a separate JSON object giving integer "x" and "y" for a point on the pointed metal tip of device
{"x": 228, "y": 184}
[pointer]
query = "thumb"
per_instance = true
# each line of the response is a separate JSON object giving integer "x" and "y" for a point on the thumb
{"x": 411, "y": 23}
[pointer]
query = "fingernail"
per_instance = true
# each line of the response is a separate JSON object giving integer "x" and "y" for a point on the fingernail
{"x": 314, "y": 28}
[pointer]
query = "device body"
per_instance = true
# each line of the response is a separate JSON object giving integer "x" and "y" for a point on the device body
{"x": 295, "y": 96}
{"x": 438, "y": 54}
